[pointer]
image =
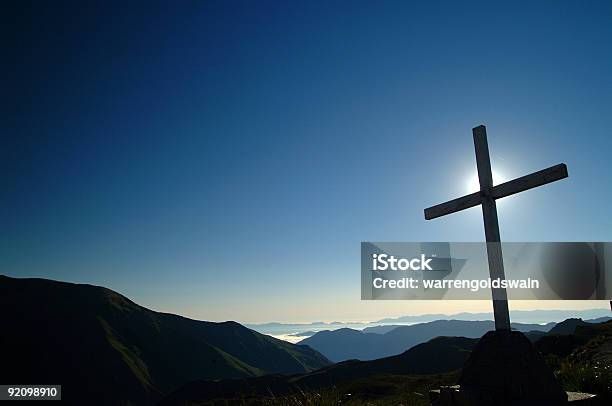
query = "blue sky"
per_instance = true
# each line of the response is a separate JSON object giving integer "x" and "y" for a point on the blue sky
{"x": 224, "y": 160}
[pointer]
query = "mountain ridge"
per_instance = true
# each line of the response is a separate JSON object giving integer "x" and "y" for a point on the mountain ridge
{"x": 91, "y": 339}
{"x": 342, "y": 344}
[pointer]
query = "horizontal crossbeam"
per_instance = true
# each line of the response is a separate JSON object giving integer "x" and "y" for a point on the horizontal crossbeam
{"x": 517, "y": 185}
{"x": 453, "y": 206}
{"x": 530, "y": 181}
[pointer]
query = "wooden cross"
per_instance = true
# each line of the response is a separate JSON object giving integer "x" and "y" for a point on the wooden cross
{"x": 486, "y": 198}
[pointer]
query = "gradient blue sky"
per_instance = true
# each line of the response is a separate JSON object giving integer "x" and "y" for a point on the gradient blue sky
{"x": 223, "y": 160}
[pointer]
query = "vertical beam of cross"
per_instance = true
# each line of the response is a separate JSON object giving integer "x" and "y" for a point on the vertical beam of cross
{"x": 489, "y": 215}
{"x": 486, "y": 197}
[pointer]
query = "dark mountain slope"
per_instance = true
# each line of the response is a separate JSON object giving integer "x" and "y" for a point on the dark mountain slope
{"x": 582, "y": 360}
{"x": 597, "y": 347}
{"x": 593, "y": 340}
{"x": 567, "y": 326}
{"x": 345, "y": 343}
{"x": 439, "y": 355}
{"x": 99, "y": 345}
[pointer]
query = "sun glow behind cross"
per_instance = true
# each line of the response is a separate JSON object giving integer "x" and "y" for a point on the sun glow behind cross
{"x": 474, "y": 186}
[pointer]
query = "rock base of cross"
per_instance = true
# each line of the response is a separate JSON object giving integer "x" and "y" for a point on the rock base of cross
{"x": 505, "y": 369}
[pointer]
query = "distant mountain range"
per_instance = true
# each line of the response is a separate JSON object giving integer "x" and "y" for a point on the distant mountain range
{"x": 520, "y": 316}
{"x": 517, "y": 326}
{"x": 105, "y": 349}
{"x": 344, "y": 344}
{"x": 288, "y": 330}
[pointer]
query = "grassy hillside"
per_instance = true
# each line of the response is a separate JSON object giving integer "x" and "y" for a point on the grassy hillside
{"x": 379, "y": 390}
{"x": 581, "y": 357}
{"x": 100, "y": 345}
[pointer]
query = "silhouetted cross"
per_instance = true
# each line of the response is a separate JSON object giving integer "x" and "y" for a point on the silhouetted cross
{"x": 486, "y": 197}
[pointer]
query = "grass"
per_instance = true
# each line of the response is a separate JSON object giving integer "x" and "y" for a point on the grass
{"x": 376, "y": 390}
{"x": 591, "y": 377}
